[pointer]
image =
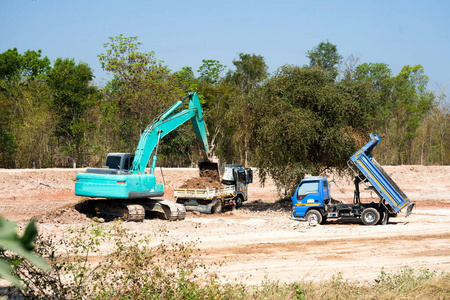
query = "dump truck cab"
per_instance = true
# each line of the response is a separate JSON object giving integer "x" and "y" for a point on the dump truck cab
{"x": 239, "y": 177}
{"x": 311, "y": 193}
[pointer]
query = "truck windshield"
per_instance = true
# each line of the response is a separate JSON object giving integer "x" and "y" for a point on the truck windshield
{"x": 308, "y": 187}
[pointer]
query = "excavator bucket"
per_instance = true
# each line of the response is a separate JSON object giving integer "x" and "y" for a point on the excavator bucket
{"x": 208, "y": 169}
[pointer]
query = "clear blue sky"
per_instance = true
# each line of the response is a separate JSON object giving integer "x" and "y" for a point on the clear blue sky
{"x": 182, "y": 33}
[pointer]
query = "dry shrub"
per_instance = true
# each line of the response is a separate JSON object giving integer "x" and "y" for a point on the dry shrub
{"x": 107, "y": 262}
{"x": 83, "y": 269}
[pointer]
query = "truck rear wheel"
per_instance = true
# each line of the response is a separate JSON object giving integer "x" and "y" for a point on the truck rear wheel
{"x": 313, "y": 215}
{"x": 370, "y": 216}
{"x": 217, "y": 208}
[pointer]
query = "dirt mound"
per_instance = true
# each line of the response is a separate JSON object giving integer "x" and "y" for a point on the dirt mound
{"x": 201, "y": 183}
{"x": 208, "y": 179}
{"x": 69, "y": 214}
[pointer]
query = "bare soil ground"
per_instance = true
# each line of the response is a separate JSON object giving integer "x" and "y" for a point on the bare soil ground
{"x": 260, "y": 240}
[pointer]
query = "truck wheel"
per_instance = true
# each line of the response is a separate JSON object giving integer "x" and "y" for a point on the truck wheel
{"x": 238, "y": 202}
{"x": 381, "y": 217}
{"x": 370, "y": 216}
{"x": 217, "y": 209}
{"x": 313, "y": 215}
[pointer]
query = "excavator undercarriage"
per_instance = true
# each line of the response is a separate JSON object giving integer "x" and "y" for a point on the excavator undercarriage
{"x": 139, "y": 209}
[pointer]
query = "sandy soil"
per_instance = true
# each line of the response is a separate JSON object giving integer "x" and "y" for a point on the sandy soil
{"x": 260, "y": 240}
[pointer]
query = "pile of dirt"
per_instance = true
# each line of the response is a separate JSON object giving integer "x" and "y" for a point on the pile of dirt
{"x": 68, "y": 214}
{"x": 208, "y": 179}
{"x": 212, "y": 174}
{"x": 64, "y": 215}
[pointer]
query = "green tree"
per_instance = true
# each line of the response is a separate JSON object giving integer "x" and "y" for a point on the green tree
{"x": 72, "y": 95}
{"x": 210, "y": 71}
{"x": 35, "y": 126}
{"x": 378, "y": 78}
{"x": 141, "y": 89}
{"x": 411, "y": 102}
{"x": 326, "y": 57}
{"x": 251, "y": 71}
{"x": 10, "y": 64}
{"x": 186, "y": 79}
{"x": 25, "y": 121}
{"x": 217, "y": 102}
{"x": 431, "y": 145}
{"x": 303, "y": 122}
{"x": 379, "y": 75}
{"x": 13, "y": 65}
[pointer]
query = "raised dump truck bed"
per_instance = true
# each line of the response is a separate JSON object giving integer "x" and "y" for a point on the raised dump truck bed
{"x": 381, "y": 182}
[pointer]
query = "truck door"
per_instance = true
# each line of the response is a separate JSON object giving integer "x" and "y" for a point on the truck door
{"x": 325, "y": 191}
{"x": 249, "y": 177}
{"x": 306, "y": 196}
{"x": 241, "y": 182}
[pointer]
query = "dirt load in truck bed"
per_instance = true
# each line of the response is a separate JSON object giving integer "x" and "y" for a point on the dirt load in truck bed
{"x": 208, "y": 179}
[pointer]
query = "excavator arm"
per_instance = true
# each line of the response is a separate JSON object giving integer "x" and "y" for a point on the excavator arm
{"x": 163, "y": 125}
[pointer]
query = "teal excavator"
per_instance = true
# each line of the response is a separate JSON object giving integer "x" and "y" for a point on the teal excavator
{"x": 125, "y": 188}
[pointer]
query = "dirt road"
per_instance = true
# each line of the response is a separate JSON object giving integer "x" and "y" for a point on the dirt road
{"x": 260, "y": 240}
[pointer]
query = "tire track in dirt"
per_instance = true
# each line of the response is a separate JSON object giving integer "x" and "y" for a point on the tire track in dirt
{"x": 324, "y": 246}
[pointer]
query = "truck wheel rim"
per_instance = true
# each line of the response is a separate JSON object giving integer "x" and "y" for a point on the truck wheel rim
{"x": 313, "y": 217}
{"x": 370, "y": 217}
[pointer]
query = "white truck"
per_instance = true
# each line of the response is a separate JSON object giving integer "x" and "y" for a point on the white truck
{"x": 213, "y": 200}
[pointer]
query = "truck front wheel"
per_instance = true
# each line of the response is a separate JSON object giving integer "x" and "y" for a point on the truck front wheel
{"x": 238, "y": 202}
{"x": 370, "y": 216}
{"x": 313, "y": 215}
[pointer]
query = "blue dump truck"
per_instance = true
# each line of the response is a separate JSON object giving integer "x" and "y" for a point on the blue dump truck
{"x": 312, "y": 201}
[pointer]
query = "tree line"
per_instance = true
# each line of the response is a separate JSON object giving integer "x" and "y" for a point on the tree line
{"x": 297, "y": 120}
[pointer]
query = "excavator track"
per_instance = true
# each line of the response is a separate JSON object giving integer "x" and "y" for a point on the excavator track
{"x": 130, "y": 212}
{"x": 164, "y": 209}
{"x": 136, "y": 213}
{"x": 137, "y": 210}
